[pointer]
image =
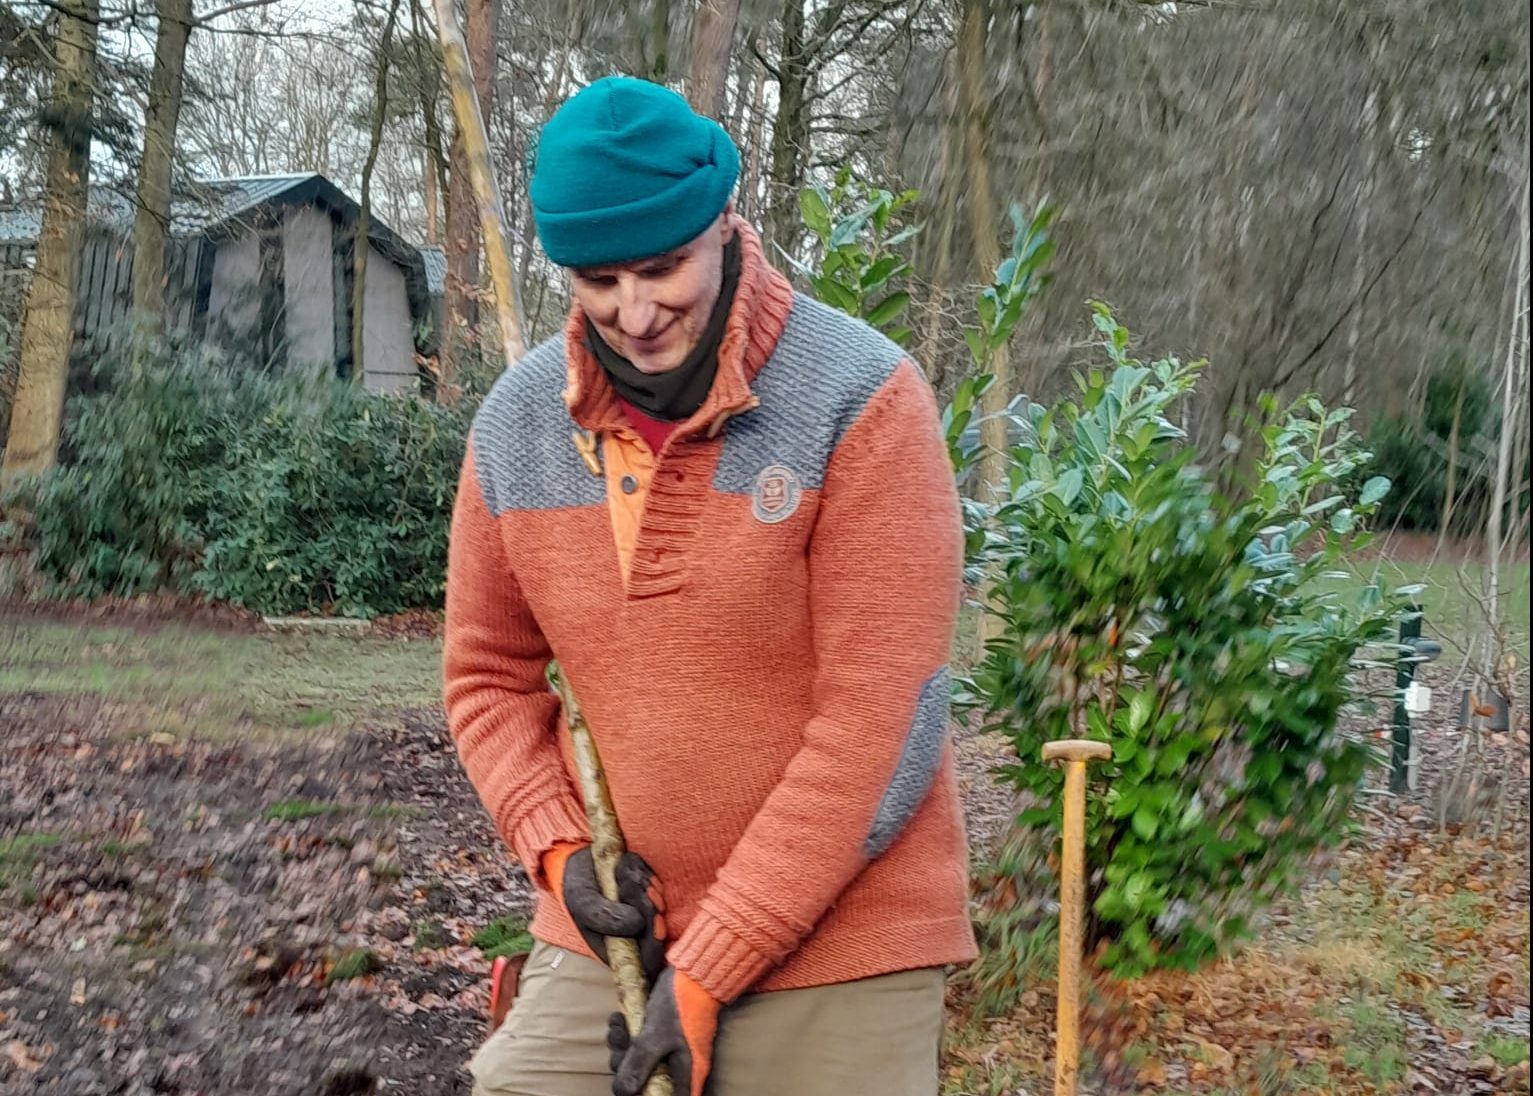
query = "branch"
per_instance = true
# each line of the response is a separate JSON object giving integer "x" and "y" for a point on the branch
{"x": 241, "y": 5}
{"x": 771, "y": 69}
{"x": 828, "y": 21}
{"x": 888, "y": 43}
{"x": 1358, "y": 299}
{"x": 819, "y": 54}
{"x": 97, "y": 20}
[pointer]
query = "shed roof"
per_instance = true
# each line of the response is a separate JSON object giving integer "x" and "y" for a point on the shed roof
{"x": 219, "y": 205}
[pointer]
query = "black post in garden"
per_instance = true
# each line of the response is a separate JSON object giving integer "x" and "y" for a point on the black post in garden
{"x": 1413, "y": 650}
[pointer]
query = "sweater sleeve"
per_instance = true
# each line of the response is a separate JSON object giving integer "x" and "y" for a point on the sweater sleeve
{"x": 501, "y": 710}
{"x": 885, "y": 570}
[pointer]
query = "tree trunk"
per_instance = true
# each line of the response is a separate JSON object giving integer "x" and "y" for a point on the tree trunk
{"x": 790, "y": 131}
{"x": 750, "y": 191}
{"x": 1450, "y": 488}
{"x": 435, "y": 167}
{"x": 360, "y": 245}
{"x": 1369, "y": 135}
{"x": 658, "y": 42}
{"x": 983, "y": 222}
{"x": 47, "y": 325}
{"x": 713, "y": 41}
{"x": 1511, "y": 415}
{"x": 527, "y": 229}
{"x": 950, "y": 169}
{"x": 151, "y": 220}
{"x": 460, "y": 298}
{"x": 428, "y": 184}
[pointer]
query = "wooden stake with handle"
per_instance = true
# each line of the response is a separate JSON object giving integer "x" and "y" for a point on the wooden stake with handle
{"x": 1074, "y": 752}
{"x": 606, "y": 835}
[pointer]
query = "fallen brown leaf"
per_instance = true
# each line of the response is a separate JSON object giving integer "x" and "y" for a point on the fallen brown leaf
{"x": 1151, "y": 1073}
{"x": 22, "y": 1057}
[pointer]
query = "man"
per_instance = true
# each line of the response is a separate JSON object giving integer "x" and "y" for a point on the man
{"x": 727, "y": 512}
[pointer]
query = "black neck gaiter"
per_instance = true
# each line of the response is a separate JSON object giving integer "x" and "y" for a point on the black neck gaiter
{"x": 677, "y": 393}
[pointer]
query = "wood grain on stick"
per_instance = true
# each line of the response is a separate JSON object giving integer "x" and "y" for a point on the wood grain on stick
{"x": 606, "y": 849}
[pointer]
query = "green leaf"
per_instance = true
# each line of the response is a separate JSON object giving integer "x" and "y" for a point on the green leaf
{"x": 1136, "y": 888}
{"x": 1068, "y": 487}
{"x": 836, "y": 295}
{"x": 987, "y": 304}
{"x": 815, "y": 210}
{"x": 1140, "y": 706}
{"x": 847, "y": 230}
{"x": 889, "y": 308}
{"x": 880, "y": 272}
{"x": 978, "y": 348}
{"x": 1145, "y": 823}
{"x": 1374, "y": 490}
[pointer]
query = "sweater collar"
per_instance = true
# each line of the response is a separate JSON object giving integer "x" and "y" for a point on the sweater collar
{"x": 763, "y": 299}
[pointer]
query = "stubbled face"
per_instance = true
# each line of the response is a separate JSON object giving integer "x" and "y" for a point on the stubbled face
{"x": 653, "y": 311}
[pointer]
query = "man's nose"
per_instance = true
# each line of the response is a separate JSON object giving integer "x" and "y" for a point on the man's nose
{"x": 636, "y": 308}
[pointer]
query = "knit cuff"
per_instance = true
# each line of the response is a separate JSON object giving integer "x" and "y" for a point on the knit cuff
{"x": 718, "y": 958}
{"x": 556, "y": 819}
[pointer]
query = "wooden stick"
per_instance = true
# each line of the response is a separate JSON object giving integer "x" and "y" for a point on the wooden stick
{"x": 492, "y": 220}
{"x": 606, "y": 849}
{"x": 1074, "y": 753}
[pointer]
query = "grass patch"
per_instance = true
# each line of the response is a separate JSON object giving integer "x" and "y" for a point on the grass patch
{"x": 1450, "y": 601}
{"x": 17, "y": 855}
{"x": 354, "y": 964}
{"x": 428, "y": 936}
{"x": 503, "y": 936}
{"x": 1507, "y": 1050}
{"x": 222, "y": 685}
{"x": 121, "y": 850}
{"x": 22, "y": 847}
{"x": 1015, "y": 956}
{"x": 1375, "y": 1043}
{"x": 294, "y": 810}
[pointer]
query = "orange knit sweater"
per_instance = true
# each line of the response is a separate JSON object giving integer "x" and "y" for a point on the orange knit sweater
{"x": 757, "y": 622}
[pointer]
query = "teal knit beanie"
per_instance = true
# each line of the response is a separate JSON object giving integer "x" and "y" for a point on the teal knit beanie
{"x": 625, "y": 170}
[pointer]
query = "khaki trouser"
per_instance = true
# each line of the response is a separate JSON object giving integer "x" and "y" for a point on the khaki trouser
{"x": 876, "y": 1037}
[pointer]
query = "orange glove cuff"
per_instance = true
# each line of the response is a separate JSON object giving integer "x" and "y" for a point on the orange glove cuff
{"x": 698, "y": 1013}
{"x": 551, "y": 865}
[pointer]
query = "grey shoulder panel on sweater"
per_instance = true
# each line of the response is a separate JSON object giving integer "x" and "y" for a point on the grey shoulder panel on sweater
{"x": 523, "y": 448}
{"x": 824, "y": 370}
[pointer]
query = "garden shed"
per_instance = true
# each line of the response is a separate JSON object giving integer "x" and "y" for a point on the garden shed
{"x": 260, "y": 266}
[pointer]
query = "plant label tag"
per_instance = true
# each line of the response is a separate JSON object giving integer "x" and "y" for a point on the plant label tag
{"x": 1418, "y": 698}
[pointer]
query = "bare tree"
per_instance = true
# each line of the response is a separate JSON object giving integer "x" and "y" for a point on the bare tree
{"x": 713, "y": 39}
{"x": 360, "y": 244}
{"x": 43, "y": 370}
{"x": 151, "y": 223}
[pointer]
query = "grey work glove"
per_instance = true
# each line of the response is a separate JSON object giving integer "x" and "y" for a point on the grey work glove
{"x": 639, "y": 913}
{"x": 680, "y": 1023}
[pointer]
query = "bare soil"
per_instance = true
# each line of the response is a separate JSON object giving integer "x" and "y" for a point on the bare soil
{"x": 162, "y": 934}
